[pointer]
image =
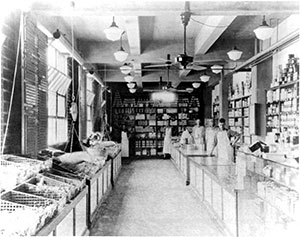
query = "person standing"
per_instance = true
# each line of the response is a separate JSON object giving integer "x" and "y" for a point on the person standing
{"x": 186, "y": 137}
{"x": 223, "y": 142}
{"x": 198, "y": 134}
{"x": 210, "y": 133}
{"x": 167, "y": 141}
{"x": 124, "y": 143}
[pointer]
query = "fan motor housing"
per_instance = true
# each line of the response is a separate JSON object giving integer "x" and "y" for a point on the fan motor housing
{"x": 184, "y": 59}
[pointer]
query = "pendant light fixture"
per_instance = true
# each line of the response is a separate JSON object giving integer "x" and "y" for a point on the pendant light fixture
{"x": 121, "y": 55}
{"x": 234, "y": 54}
{"x": 113, "y": 33}
{"x": 129, "y": 78}
{"x": 204, "y": 78}
{"x": 196, "y": 85}
{"x": 264, "y": 31}
{"x": 132, "y": 90}
{"x": 216, "y": 69}
{"x": 131, "y": 85}
{"x": 189, "y": 90}
{"x": 126, "y": 69}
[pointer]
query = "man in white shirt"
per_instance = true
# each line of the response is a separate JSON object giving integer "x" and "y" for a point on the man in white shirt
{"x": 186, "y": 137}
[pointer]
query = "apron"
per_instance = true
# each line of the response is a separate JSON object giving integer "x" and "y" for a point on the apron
{"x": 210, "y": 134}
{"x": 167, "y": 141}
{"x": 199, "y": 135}
{"x": 125, "y": 144}
{"x": 225, "y": 150}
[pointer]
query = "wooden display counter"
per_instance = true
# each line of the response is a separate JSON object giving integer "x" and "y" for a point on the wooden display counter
{"x": 100, "y": 185}
{"x": 72, "y": 221}
{"x": 77, "y": 216}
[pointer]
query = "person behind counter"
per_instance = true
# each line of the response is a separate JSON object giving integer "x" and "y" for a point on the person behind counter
{"x": 223, "y": 141}
{"x": 167, "y": 141}
{"x": 210, "y": 133}
{"x": 199, "y": 135}
{"x": 124, "y": 142}
{"x": 186, "y": 137}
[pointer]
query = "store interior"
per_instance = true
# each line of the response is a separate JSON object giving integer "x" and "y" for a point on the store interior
{"x": 90, "y": 88}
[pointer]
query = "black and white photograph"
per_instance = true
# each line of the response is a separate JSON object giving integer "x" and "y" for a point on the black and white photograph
{"x": 149, "y": 118}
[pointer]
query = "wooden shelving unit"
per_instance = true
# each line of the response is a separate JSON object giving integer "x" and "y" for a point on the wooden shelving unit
{"x": 147, "y": 121}
{"x": 216, "y": 105}
{"x": 238, "y": 116}
{"x": 283, "y": 107}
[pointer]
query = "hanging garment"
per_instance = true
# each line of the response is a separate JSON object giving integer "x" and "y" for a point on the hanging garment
{"x": 225, "y": 150}
{"x": 167, "y": 141}
{"x": 125, "y": 144}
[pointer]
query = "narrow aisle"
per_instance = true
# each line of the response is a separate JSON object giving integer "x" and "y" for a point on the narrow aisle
{"x": 150, "y": 198}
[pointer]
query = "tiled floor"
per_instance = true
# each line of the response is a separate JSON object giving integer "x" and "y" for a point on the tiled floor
{"x": 151, "y": 199}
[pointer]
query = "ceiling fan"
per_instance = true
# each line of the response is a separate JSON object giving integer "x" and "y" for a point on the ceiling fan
{"x": 167, "y": 86}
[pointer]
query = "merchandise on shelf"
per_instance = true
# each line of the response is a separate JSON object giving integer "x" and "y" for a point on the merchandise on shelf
{"x": 282, "y": 111}
{"x": 148, "y": 123}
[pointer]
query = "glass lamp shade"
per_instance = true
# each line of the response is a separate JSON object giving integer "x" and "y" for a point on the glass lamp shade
{"x": 113, "y": 33}
{"x": 125, "y": 69}
{"x": 132, "y": 90}
{"x": 205, "y": 78}
{"x": 121, "y": 55}
{"x": 234, "y": 54}
{"x": 189, "y": 90}
{"x": 196, "y": 85}
{"x": 216, "y": 69}
{"x": 130, "y": 85}
{"x": 129, "y": 78}
{"x": 263, "y": 32}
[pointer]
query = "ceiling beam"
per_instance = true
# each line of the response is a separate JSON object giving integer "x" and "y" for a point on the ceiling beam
{"x": 133, "y": 34}
{"x": 207, "y": 35}
{"x": 153, "y": 8}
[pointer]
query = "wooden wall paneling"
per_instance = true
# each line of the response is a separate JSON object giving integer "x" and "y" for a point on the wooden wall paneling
{"x": 30, "y": 86}
{"x": 10, "y": 28}
{"x": 42, "y": 90}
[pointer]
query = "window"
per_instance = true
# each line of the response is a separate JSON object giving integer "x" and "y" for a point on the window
{"x": 90, "y": 106}
{"x": 58, "y": 84}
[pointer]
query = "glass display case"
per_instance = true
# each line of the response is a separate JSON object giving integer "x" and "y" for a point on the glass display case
{"x": 252, "y": 197}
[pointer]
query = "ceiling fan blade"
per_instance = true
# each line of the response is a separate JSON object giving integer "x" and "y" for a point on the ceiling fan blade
{"x": 209, "y": 62}
{"x": 184, "y": 73}
{"x": 196, "y": 68}
{"x": 151, "y": 90}
{"x": 157, "y": 65}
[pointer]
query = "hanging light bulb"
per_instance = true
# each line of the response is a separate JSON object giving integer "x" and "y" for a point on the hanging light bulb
{"x": 132, "y": 90}
{"x": 264, "y": 31}
{"x": 121, "y": 55}
{"x": 125, "y": 69}
{"x": 129, "y": 78}
{"x": 204, "y": 78}
{"x": 196, "y": 85}
{"x": 216, "y": 69}
{"x": 234, "y": 54}
{"x": 113, "y": 33}
{"x": 130, "y": 85}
